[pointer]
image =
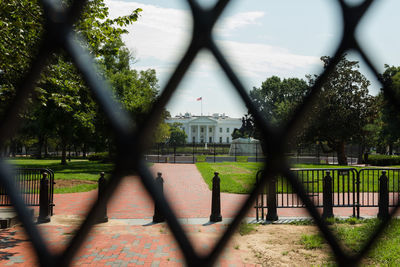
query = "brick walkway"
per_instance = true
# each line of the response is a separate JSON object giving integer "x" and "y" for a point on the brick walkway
{"x": 120, "y": 243}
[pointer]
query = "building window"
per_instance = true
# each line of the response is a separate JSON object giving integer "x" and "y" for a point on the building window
{"x": 194, "y": 140}
{"x": 227, "y": 130}
{"x": 202, "y": 130}
{"x": 210, "y": 130}
{"x": 220, "y": 139}
{"x": 183, "y": 129}
{"x": 227, "y": 139}
{"x": 210, "y": 141}
{"x": 193, "y": 129}
{"x": 220, "y": 130}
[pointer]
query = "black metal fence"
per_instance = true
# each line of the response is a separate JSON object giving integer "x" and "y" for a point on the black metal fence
{"x": 131, "y": 141}
{"x": 211, "y": 152}
{"x": 250, "y": 152}
{"x": 349, "y": 188}
{"x": 27, "y": 182}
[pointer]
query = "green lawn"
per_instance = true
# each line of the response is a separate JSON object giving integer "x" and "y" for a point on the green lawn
{"x": 240, "y": 177}
{"x": 385, "y": 252}
{"x": 75, "y": 170}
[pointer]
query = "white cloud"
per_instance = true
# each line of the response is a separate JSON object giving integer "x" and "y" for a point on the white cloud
{"x": 161, "y": 35}
{"x": 238, "y": 21}
{"x": 254, "y": 60}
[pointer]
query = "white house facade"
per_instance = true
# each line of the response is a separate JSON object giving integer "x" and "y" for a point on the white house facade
{"x": 217, "y": 128}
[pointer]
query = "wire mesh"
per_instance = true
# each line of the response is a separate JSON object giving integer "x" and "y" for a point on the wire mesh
{"x": 131, "y": 143}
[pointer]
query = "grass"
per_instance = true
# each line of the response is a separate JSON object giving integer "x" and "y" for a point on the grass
{"x": 246, "y": 228}
{"x": 76, "y": 169}
{"x": 313, "y": 241}
{"x": 236, "y": 177}
{"x": 353, "y": 234}
{"x": 240, "y": 177}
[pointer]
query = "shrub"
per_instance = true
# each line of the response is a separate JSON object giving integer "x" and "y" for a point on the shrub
{"x": 383, "y": 160}
{"x": 102, "y": 156}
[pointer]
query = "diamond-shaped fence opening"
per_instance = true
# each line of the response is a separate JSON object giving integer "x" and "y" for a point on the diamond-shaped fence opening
{"x": 131, "y": 143}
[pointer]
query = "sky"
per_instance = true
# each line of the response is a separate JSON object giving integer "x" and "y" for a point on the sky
{"x": 260, "y": 39}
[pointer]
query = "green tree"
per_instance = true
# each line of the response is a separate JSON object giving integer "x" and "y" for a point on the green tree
{"x": 344, "y": 108}
{"x": 177, "y": 135}
{"x": 61, "y": 95}
{"x": 277, "y": 98}
{"x": 390, "y": 128}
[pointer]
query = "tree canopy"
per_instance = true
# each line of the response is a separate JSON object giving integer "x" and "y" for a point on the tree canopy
{"x": 343, "y": 109}
{"x": 63, "y": 107}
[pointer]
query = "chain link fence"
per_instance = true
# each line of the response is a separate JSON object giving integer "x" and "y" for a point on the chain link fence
{"x": 132, "y": 141}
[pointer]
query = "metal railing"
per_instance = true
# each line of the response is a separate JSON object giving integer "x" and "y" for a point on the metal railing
{"x": 211, "y": 152}
{"x": 27, "y": 182}
{"x": 132, "y": 142}
{"x": 349, "y": 188}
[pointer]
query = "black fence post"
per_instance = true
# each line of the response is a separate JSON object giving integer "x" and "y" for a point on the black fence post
{"x": 102, "y": 215}
{"x": 158, "y": 152}
{"x": 256, "y": 152}
{"x": 44, "y": 204}
{"x": 216, "y": 200}
{"x": 215, "y": 153}
{"x": 272, "y": 214}
{"x": 158, "y": 217}
{"x": 234, "y": 149}
{"x": 383, "y": 197}
{"x": 327, "y": 196}
{"x": 194, "y": 161}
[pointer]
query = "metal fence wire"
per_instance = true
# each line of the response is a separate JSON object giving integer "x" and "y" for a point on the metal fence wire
{"x": 132, "y": 142}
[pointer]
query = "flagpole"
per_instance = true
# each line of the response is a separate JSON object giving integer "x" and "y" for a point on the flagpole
{"x": 201, "y": 106}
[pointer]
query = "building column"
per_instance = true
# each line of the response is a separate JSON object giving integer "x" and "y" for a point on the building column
{"x": 215, "y": 134}
{"x": 189, "y": 134}
{"x": 198, "y": 133}
{"x": 206, "y": 134}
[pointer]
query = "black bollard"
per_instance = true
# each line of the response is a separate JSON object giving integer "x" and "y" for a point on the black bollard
{"x": 158, "y": 217}
{"x": 272, "y": 213}
{"x": 44, "y": 204}
{"x": 216, "y": 200}
{"x": 102, "y": 215}
{"x": 383, "y": 197}
{"x": 327, "y": 197}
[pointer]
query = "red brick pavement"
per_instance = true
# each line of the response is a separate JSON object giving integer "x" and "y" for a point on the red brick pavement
{"x": 117, "y": 245}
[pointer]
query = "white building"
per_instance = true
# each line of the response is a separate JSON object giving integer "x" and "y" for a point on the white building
{"x": 217, "y": 128}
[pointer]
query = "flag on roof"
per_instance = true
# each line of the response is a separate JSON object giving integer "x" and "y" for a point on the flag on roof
{"x": 199, "y": 98}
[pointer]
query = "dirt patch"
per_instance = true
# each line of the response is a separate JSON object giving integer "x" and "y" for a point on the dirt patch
{"x": 278, "y": 245}
{"x": 71, "y": 183}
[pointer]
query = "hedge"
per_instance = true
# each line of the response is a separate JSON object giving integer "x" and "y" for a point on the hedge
{"x": 102, "y": 156}
{"x": 383, "y": 160}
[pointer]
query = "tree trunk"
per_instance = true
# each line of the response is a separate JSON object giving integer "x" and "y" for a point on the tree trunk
{"x": 361, "y": 149}
{"x": 13, "y": 148}
{"x": 40, "y": 145}
{"x": 84, "y": 151}
{"x": 341, "y": 153}
{"x": 46, "y": 148}
{"x": 390, "y": 148}
{"x": 63, "y": 153}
